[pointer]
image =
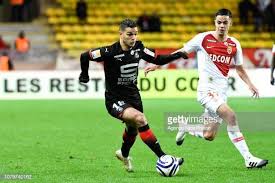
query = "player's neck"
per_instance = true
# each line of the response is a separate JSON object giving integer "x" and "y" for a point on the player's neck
{"x": 123, "y": 46}
{"x": 219, "y": 37}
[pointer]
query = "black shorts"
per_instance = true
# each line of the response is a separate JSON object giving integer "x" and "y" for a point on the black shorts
{"x": 116, "y": 105}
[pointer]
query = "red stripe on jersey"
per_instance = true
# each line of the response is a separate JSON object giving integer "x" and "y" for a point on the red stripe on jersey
{"x": 221, "y": 53}
{"x": 238, "y": 139}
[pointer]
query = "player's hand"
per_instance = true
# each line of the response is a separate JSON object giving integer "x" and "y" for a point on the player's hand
{"x": 150, "y": 68}
{"x": 183, "y": 55}
{"x": 84, "y": 77}
{"x": 272, "y": 81}
{"x": 254, "y": 91}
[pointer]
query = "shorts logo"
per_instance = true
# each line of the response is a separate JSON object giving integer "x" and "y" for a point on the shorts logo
{"x": 118, "y": 107}
{"x": 95, "y": 54}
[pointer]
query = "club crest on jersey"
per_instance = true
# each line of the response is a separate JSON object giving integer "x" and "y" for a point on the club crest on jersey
{"x": 136, "y": 55}
{"x": 229, "y": 49}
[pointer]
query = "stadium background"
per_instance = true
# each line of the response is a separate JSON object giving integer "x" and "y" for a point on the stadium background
{"x": 74, "y": 140}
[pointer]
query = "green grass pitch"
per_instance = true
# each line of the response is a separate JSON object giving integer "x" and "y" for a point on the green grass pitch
{"x": 75, "y": 140}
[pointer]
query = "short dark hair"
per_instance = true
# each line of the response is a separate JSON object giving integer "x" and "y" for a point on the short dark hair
{"x": 127, "y": 23}
{"x": 224, "y": 12}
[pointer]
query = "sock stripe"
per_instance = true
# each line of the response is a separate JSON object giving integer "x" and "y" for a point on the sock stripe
{"x": 148, "y": 135}
{"x": 143, "y": 128}
{"x": 238, "y": 139}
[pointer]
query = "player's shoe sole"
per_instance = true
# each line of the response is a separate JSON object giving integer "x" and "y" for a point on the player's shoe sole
{"x": 127, "y": 162}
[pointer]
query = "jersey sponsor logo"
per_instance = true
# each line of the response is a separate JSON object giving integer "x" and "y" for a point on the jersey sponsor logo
{"x": 95, "y": 54}
{"x": 149, "y": 52}
{"x": 211, "y": 40}
{"x": 220, "y": 58}
{"x": 231, "y": 44}
{"x": 128, "y": 70}
{"x": 128, "y": 74}
{"x": 119, "y": 57}
{"x": 210, "y": 47}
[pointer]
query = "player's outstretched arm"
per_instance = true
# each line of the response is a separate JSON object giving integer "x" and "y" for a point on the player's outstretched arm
{"x": 243, "y": 75}
{"x": 272, "y": 69}
{"x": 84, "y": 64}
{"x": 164, "y": 59}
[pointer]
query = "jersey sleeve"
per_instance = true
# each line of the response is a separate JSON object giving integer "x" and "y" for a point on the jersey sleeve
{"x": 193, "y": 44}
{"x": 238, "y": 58}
{"x": 99, "y": 54}
{"x": 147, "y": 54}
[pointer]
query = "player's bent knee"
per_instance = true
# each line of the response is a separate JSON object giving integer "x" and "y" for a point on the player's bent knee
{"x": 140, "y": 119}
{"x": 210, "y": 136}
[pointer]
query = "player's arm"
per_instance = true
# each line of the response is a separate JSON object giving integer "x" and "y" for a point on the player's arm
{"x": 149, "y": 56}
{"x": 164, "y": 59}
{"x": 153, "y": 67}
{"x": 97, "y": 55}
{"x": 243, "y": 75}
{"x": 272, "y": 66}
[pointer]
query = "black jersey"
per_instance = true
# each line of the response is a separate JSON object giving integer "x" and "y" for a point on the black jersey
{"x": 121, "y": 67}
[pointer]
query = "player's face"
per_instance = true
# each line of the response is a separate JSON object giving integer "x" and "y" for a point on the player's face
{"x": 222, "y": 24}
{"x": 129, "y": 36}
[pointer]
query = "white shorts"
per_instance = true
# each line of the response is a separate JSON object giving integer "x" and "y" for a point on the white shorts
{"x": 211, "y": 100}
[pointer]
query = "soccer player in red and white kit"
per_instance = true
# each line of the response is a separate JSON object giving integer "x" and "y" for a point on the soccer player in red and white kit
{"x": 215, "y": 50}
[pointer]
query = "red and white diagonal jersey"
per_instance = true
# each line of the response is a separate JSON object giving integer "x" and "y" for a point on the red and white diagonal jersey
{"x": 214, "y": 58}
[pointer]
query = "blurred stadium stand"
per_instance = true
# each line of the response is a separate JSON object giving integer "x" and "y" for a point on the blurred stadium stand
{"x": 43, "y": 52}
{"x": 181, "y": 20}
{"x": 57, "y": 34}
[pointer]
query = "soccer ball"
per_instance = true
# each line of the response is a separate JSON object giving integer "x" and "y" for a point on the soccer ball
{"x": 167, "y": 166}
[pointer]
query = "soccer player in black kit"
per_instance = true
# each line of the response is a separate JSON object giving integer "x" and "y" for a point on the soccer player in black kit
{"x": 122, "y": 98}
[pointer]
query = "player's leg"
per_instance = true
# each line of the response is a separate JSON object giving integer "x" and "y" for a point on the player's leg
{"x": 237, "y": 138}
{"x": 133, "y": 117}
{"x": 129, "y": 138}
{"x": 205, "y": 131}
{"x": 115, "y": 108}
{"x": 211, "y": 121}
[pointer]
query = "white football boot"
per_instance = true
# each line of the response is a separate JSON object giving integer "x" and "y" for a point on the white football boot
{"x": 254, "y": 162}
{"x": 180, "y": 137}
{"x": 126, "y": 161}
